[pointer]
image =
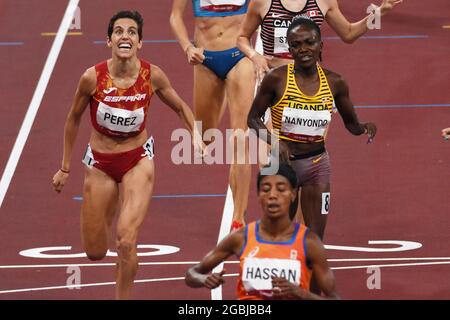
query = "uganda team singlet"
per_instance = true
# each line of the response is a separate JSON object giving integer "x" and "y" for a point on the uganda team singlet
{"x": 301, "y": 118}
{"x": 219, "y": 8}
{"x": 260, "y": 260}
{"x": 117, "y": 112}
{"x": 276, "y": 22}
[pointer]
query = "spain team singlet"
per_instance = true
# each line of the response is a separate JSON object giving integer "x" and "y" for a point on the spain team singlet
{"x": 276, "y": 23}
{"x": 260, "y": 260}
{"x": 219, "y": 8}
{"x": 117, "y": 112}
{"x": 301, "y": 118}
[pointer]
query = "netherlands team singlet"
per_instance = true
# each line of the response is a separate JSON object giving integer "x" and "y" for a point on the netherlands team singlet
{"x": 260, "y": 260}
{"x": 301, "y": 118}
{"x": 219, "y": 8}
{"x": 276, "y": 23}
{"x": 117, "y": 112}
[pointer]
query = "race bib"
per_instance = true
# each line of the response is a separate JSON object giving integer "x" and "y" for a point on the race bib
{"x": 119, "y": 120}
{"x": 299, "y": 122}
{"x": 88, "y": 158}
{"x": 257, "y": 273}
{"x": 149, "y": 147}
{"x": 280, "y": 44}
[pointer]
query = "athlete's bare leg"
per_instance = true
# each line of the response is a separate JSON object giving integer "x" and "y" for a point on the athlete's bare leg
{"x": 240, "y": 84}
{"x": 209, "y": 96}
{"x": 100, "y": 196}
{"x": 137, "y": 187}
{"x": 312, "y": 196}
{"x": 298, "y": 213}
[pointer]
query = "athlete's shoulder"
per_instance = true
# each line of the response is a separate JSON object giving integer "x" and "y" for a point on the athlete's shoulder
{"x": 330, "y": 4}
{"x": 259, "y": 5}
{"x": 89, "y": 72}
{"x": 335, "y": 80}
{"x": 274, "y": 79}
{"x": 278, "y": 72}
{"x": 88, "y": 81}
{"x": 331, "y": 74}
{"x": 234, "y": 241}
{"x": 314, "y": 244}
{"x": 156, "y": 71}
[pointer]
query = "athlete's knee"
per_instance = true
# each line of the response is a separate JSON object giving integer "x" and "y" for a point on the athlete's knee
{"x": 238, "y": 142}
{"x": 125, "y": 249}
{"x": 126, "y": 243}
{"x": 96, "y": 254}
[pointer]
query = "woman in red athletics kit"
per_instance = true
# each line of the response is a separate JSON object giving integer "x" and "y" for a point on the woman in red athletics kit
{"x": 120, "y": 151}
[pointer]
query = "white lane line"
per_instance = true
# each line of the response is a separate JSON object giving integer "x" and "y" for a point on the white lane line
{"x": 98, "y": 284}
{"x": 25, "y": 266}
{"x": 226, "y": 275}
{"x": 37, "y": 99}
{"x": 391, "y": 265}
{"x": 225, "y": 226}
{"x": 30, "y": 266}
{"x": 86, "y": 285}
{"x": 388, "y": 259}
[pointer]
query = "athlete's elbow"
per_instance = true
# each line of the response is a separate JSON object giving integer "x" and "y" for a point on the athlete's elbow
{"x": 190, "y": 279}
{"x": 335, "y": 296}
{"x": 348, "y": 38}
{"x": 174, "y": 20}
{"x": 347, "y": 35}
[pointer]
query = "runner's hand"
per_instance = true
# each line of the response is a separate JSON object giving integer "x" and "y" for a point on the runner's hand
{"x": 195, "y": 55}
{"x": 261, "y": 65}
{"x": 387, "y": 5}
{"x": 200, "y": 148}
{"x": 371, "y": 130}
{"x": 59, "y": 180}
{"x": 214, "y": 280}
{"x": 283, "y": 289}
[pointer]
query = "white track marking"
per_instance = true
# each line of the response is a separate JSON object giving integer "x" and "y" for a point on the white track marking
{"x": 98, "y": 284}
{"x": 401, "y": 246}
{"x": 43, "y": 266}
{"x": 86, "y": 285}
{"x": 226, "y": 275}
{"x": 94, "y": 265}
{"x": 36, "y": 100}
{"x": 391, "y": 265}
{"x": 388, "y": 259}
{"x": 225, "y": 226}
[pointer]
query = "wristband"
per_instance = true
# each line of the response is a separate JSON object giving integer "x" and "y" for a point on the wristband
{"x": 64, "y": 171}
